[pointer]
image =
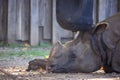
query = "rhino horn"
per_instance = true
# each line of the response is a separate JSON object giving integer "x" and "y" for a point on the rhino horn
{"x": 56, "y": 47}
{"x": 59, "y": 43}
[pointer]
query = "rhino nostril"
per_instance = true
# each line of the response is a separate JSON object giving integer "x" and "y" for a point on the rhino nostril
{"x": 52, "y": 65}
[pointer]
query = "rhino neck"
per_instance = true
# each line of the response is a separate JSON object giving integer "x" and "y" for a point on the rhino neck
{"x": 75, "y": 41}
{"x": 79, "y": 38}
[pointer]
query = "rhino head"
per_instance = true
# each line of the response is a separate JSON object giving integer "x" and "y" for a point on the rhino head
{"x": 79, "y": 55}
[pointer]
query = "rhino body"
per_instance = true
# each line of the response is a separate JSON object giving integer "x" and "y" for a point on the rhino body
{"x": 91, "y": 50}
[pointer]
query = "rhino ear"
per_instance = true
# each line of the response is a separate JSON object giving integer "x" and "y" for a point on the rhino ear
{"x": 101, "y": 27}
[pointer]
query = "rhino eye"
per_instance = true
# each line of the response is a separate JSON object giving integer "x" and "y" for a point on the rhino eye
{"x": 72, "y": 55}
{"x": 57, "y": 56}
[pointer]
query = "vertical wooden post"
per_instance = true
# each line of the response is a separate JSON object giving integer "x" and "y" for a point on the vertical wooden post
{"x": 12, "y": 21}
{"x": 34, "y": 39}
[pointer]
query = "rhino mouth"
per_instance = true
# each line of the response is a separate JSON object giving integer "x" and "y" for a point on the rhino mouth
{"x": 58, "y": 69}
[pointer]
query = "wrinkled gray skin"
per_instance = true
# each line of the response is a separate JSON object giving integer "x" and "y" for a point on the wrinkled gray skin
{"x": 84, "y": 54}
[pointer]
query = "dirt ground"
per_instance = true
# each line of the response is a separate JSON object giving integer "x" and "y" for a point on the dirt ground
{"x": 18, "y": 65}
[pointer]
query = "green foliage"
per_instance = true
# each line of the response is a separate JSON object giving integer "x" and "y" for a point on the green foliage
{"x": 25, "y": 53}
{"x": 13, "y": 45}
{"x": 43, "y": 45}
{"x": 28, "y": 53}
{"x": 25, "y": 50}
{"x": 1, "y": 44}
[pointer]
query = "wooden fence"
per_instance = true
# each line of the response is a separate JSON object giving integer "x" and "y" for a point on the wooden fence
{"x": 34, "y": 21}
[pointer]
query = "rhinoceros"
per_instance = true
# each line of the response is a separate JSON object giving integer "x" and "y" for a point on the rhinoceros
{"x": 91, "y": 50}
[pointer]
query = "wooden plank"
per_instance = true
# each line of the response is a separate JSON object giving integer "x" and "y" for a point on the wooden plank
{"x": 41, "y": 19}
{"x": 111, "y": 7}
{"x": 27, "y": 22}
{"x": 12, "y": 21}
{"x": 27, "y": 19}
{"x": 102, "y": 10}
{"x": 1, "y": 17}
{"x": 4, "y": 19}
{"x": 48, "y": 19}
{"x": 20, "y": 20}
{"x": 41, "y": 13}
{"x": 107, "y": 8}
{"x": 34, "y": 39}
{"x": 23, "y": 20}
{"x": 45, "y": 17}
